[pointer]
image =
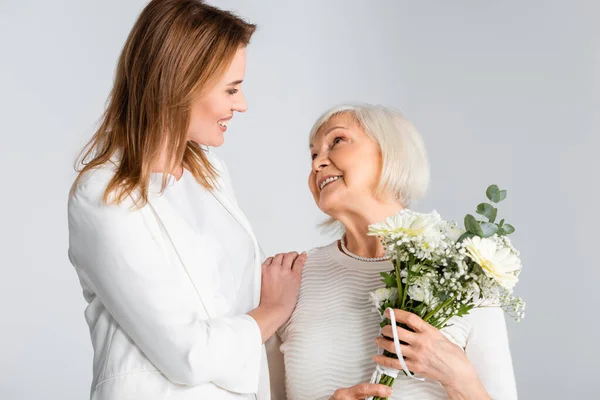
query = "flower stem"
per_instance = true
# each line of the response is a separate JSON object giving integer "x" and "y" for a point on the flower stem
{"x": 441, "y": 306}
{"x": 399, "y": 280}
{"x": 406, "y": 287}
{"x": 384, "y": 380}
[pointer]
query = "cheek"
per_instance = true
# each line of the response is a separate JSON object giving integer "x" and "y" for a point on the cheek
{"x": 198, "y": 117}
{"x": 207, "y": 112}
{"x": 364, "y": 170}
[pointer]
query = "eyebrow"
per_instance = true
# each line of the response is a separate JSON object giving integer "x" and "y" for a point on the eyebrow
{"x": 235, "y": 82}
{"x": 328, "y": 131}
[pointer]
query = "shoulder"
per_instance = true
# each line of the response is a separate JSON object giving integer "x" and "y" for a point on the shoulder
{"x": 320, "y": 250}
{"x": 86, "y": 206}
{"x": 92, "y": 184}
{"x": 319, "y": 256}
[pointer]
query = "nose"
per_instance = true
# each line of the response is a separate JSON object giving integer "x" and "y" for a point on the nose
{"x": 320, "y": 162}
{"x": 240, "y": 104}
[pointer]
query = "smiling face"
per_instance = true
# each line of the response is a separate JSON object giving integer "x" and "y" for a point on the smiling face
{"x": 212, "y": 111}
{"x": 346, "y": 166}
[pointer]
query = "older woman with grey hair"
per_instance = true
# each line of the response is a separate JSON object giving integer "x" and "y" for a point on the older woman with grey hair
{"x": 368, "y": 163}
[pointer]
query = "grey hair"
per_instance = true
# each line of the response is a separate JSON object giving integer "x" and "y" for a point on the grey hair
{"x": 405, "y": 167}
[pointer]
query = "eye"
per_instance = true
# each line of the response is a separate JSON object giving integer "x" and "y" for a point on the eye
{"x": 232, "y": 91}
{"x": 313, "y": 156}
{"x": 337, "y": 140}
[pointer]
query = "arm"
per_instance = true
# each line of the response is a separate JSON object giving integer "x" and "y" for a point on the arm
{"x": 488, "y": 350}
{"x": 133, "y": 278}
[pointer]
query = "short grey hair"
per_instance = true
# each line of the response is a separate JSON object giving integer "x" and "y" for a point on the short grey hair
{"x": 405, "y": 167}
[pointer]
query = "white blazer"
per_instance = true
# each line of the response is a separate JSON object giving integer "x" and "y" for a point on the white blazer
{"x": 152, "y": 317}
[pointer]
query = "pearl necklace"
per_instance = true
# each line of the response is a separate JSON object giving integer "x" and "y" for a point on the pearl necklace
{"x": 359, "y": 258}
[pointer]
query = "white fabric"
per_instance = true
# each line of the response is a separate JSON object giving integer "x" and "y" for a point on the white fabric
{"x": 233, "y": 276}
{"x": 159, "y": 325}
{"x": 328, "y": 343}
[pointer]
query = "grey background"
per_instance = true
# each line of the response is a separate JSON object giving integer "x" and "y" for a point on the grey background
{"x": 503, "y": 92}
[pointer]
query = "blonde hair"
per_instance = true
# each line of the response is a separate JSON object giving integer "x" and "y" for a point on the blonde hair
{"x": 405, "y": 167}
{"x": 175, "y": 51}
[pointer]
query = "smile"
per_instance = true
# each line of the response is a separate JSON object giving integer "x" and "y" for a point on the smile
{"x": 328, "y": 181}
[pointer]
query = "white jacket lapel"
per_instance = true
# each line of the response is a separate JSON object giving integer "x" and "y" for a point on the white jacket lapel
{"x": 237, "y": 213}
{"x": 195, "y": 258}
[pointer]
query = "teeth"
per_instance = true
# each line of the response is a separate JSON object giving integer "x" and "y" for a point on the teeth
{"x": 223, "y": 123}
{"x": 329, "y": 180}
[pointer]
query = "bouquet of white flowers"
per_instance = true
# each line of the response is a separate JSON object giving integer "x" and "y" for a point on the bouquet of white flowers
{"x": 441, "y": 271}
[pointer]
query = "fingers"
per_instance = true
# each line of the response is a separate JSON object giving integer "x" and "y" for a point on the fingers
{"x": 268, "y": 262}
{"x": 299, "y": 263}
{"x": 291, "y": 260}
{"x": 277, "y": 259}
{"x": 395, "y": 363}
{"x": 403, "y": 334}
{"x": 365, "y": 390}
{"x": 412, "y": 320}
{"x": 386, "y": 344}
{"x": 288, "y": 259}
{"x": 362, "y": 391}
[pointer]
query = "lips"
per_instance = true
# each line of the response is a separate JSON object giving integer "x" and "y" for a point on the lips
{"x": 326, "y": 180}
{"x": 224, "y": 122}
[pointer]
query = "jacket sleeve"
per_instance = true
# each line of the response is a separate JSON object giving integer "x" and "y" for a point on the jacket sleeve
{"x": 153, "y": 300}
{"x": 487, "y": 349}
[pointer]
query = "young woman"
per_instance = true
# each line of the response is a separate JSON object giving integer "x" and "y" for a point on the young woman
{"x": 168, "y": 263}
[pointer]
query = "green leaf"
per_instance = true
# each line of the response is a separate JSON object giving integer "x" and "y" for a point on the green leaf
{"x": 488, "y": 229}
{"x": 508, "y": 228}
{"x": 488, "y": 211}
{"x": 388, "y": 279}
{"x": 464, "y": 236}
{"x": 502, "y": 195}
{"x": 472, "y": 225}
{"x": 493, "y": 193}
{"x": 501, "y": 222}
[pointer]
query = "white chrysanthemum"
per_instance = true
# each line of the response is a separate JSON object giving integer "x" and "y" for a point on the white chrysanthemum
{"x": 382, "y": 295}
{"x": 453, "y": 233}
{"x": 498, "y": 263}
{"x": 410, "y": 223}
{"x": 412, "y": 234}
{"x": 420, "y": 290}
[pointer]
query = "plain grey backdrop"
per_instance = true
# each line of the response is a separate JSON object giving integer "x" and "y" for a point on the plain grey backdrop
{"x": 503, "y": 92}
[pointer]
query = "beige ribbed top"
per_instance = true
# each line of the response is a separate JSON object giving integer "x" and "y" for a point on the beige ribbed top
{"x": 328, "y": 343}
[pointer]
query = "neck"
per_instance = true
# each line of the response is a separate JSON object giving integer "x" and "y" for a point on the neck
{"x": 357, "y": 224}
{"x": 162, "y": 166}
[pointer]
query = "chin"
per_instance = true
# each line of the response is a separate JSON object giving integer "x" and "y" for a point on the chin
{"x": 215, "y": 140}
{"x": 328, "y": 204}
{"x": 218, "y": 142}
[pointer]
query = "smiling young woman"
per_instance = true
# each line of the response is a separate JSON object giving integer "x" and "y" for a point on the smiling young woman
{"x": 180, "y": 303}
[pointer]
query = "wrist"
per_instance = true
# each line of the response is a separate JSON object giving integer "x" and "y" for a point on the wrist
{"x": 269, "y": 319}
{"x": 469, "y": 387}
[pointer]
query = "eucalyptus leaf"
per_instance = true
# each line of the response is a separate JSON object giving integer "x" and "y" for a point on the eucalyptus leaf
{"x": 464, "y": 236}
{"x": 508, "y": 228}
{"x": 502, "y": 195}
{"x": 489, "y": 229}
{"x": 493, "y": 193}
{"x": 488, "y": 211}
{"x": 472, "y": 225}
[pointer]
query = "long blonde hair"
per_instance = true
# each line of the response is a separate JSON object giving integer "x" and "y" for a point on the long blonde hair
{"x": 175, "y": 51}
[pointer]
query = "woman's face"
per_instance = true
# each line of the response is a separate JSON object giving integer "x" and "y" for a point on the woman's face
{"x": 212, "y": 111}
{"x": 346, "y": 166}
